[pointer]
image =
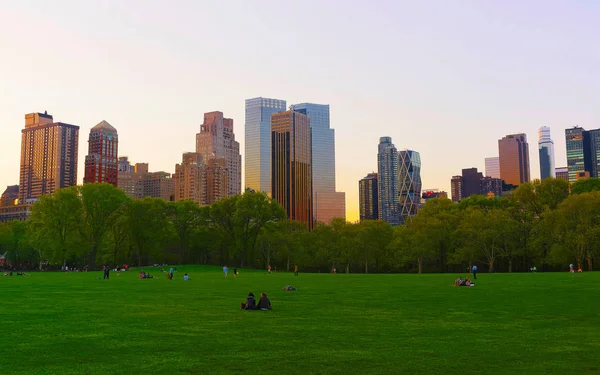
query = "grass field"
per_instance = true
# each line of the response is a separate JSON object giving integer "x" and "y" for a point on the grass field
{"x": 54, "y": 323}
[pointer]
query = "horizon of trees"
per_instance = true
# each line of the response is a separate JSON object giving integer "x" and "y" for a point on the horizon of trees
{"x": 548, "y": 223}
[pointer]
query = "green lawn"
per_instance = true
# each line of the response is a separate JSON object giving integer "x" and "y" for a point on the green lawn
{"x": 54, "y": 323}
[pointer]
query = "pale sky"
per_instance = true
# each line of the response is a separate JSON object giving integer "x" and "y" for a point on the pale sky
{"x": 445, "y": 78}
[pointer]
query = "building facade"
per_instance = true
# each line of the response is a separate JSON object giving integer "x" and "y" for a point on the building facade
{"x": 216, "y": 140}
{"x": 409, "y": 184}
{"x": 258, "y": 142}
{"x": 492, "y": 167}
{"x": 491, "y": 187}
{"x": 387, "y": 181}
{"x": 368, "y": 200}
{"x": 10, "y": 196}
{"x": 546, "y": 150}
{"x": 202, "y": 181}
{"x": 327, "y": 202}
{"x": 562, "y": 173}
{"x": 513, "y": 153}
{"x": 159, "y": 185}
{"x": 583, "y": 152}
{"x": 291, "y": 165}
{"x": 102, "y": 160}
{"x": 471, "y": 182}
{"x": 48, "y": 156}
{"x": 456, "y": 188}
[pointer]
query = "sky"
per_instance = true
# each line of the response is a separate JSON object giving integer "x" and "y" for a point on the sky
{"x": 445, "y": 78}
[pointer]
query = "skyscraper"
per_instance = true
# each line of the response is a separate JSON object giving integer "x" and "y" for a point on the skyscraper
{"x": 583, "y": 152}
{"x": 258, "y": 142}
{"x": 327, "y": 203}
{"x": 387, "y": 181}
{"x": 456, "y": 188}
{"x": 368, "y": 197}
{"x": 471, "y": 182}
{"x": 546, "y": 148}
{"x": 409, "y": 187}
{"x": 513, "y": 151}
{"x": 101, "y": 162}
{"x": 216, "y": 140}
{"x": 492, "y": 167}
{"x": 291, "y": 167}
{"x": 48, "y": 156}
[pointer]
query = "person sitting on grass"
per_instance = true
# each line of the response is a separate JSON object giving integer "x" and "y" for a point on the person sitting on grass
{"x": 250, "y": 303}
{"x": 264, "y": 303}
{"x": 186, "y": 277}
{"x": 459, "y": 281}
{"x": 468, "y": 282}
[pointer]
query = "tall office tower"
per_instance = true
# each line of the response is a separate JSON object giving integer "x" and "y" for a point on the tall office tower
{"x": 368, "y": 197}
{"x": 492, "y": 167}
{"x": 101, "y": 162}
{"x": 48, "y": 156}
{"x": 578, "y": 155}
{"x": 471, "y": 182}
{"x": 258, "y": 142}
{"x": 562, "y": 173}
{"x": 456, "y": 188}
{"x": 387, "y": 181}
{"x": 583, "y": 152}
{"x": 327, "y": 203}
{"x": 409, "y": 187}
{"x": 513, "y": 151}
{"x": 216, "y": 140}
{"x": 291, "y": 168}
{"x": 546, "y": 148}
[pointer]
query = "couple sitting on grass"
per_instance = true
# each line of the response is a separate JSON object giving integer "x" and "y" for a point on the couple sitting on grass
{"x": 465, "y": 282}
{"x": 263, "y": 303}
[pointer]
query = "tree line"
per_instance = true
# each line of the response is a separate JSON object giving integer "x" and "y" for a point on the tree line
{"x": 547, "y": 224}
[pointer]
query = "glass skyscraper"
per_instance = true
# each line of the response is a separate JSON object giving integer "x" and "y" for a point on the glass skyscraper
{"x": 258, "y": 142}
{"x": 513, "y": 152}
{"x": 292, "y": 165}
{"x": 387, "y": 181}
{"x": 327, "y": 203}
{"x": 546, "y": 148}
{"x": 409, "y": 183}
{"x": 583, "y": 152}
{"x": 578, "y": 156}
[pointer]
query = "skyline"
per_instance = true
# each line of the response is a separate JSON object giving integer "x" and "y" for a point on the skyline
{"x": 448, "y": 88}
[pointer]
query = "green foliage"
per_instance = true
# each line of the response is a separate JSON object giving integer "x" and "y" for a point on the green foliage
{"x": 587, "y": 185}
{"x": 538, "y": 224}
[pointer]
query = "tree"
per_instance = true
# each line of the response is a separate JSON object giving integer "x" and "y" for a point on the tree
{"x": 100, "y": 202}
{"x": 222, "y": 217}
{"x": 576, "y": 227}
{"x": 484, "y": 231}
{"x": 252, "y": 212}
{"x": 537, "y": 196}
{"x": 373, "y": 238}
{"x": 57, "y": 218}
{"x": 186, "y": 218}
{"x": 587, "y": 185}
{"x": 148, "y": 226}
